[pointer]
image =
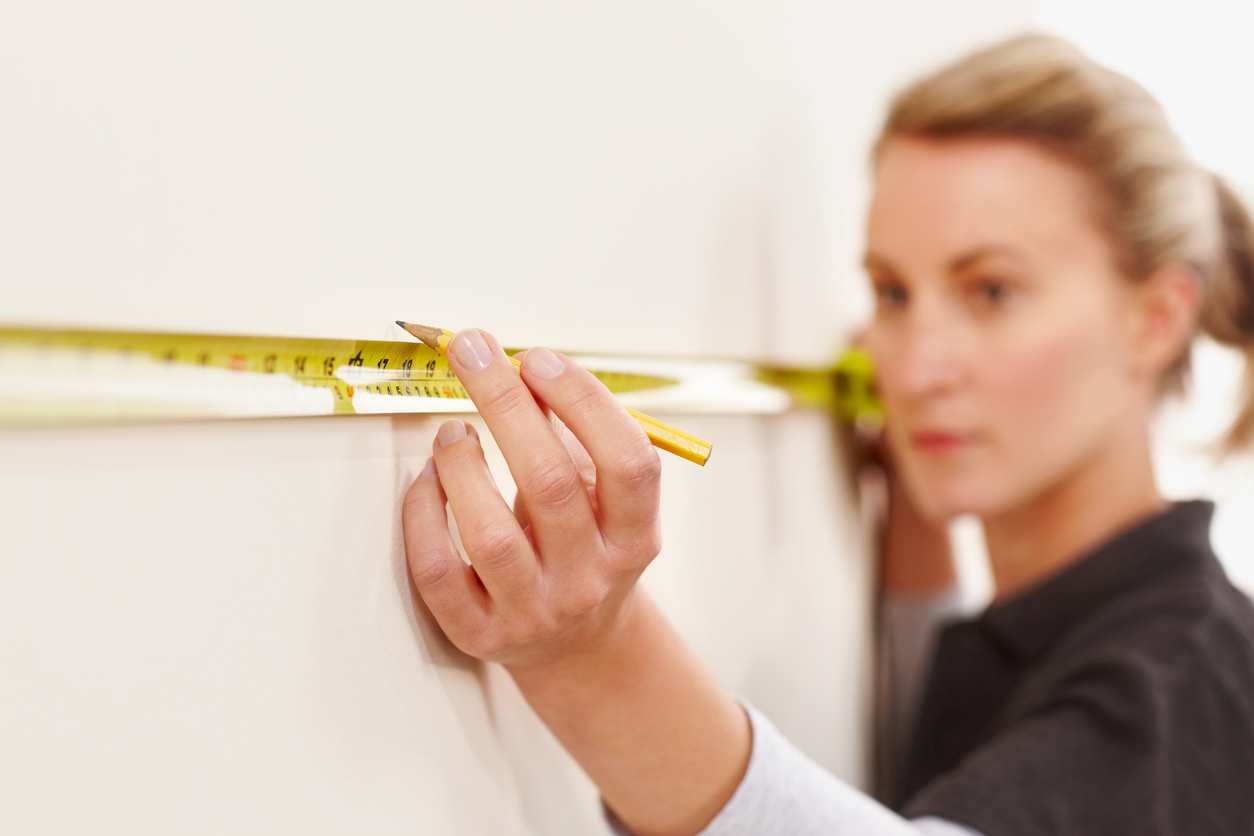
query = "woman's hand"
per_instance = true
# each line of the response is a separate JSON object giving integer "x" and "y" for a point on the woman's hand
{"x": 550, "y": 579}
{"x": 551, "y": 590}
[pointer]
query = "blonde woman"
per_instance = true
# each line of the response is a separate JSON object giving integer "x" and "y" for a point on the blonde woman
{"x": 1042, "y": 252}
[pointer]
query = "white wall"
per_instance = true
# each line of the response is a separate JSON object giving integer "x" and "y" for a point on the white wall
{"x": 207, "y": 626}
{"x": 323, "y": 168}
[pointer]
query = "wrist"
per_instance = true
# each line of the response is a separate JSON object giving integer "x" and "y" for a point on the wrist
{"x": 652, "y": 727}
{"x": 589, "y": 666}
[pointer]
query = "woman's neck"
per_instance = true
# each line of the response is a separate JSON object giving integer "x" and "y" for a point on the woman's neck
{"x": 1110, "y": 492}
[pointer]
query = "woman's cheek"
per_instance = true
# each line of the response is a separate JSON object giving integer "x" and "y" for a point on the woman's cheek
{"x": 1048, "y": 401}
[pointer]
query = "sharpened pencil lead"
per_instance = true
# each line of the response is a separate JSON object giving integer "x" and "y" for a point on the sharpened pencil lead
{"x": 428, "y": 335}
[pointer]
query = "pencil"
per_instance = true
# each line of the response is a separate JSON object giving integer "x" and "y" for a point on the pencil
{"x": 664, "y": 436}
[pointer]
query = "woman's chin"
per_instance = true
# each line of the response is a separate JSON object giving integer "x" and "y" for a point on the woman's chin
{"x": 941, "y": 499}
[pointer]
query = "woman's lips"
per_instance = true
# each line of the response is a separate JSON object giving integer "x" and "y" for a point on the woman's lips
{"x": 935, "y": 441}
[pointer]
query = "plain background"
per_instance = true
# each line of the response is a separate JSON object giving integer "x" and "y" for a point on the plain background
{"x": 207, "y": 627}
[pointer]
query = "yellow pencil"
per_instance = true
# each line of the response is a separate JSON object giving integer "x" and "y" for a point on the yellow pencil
{"x": 664, "y": 436}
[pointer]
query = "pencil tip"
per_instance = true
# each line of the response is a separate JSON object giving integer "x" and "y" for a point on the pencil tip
{"x": 430, "y": 336}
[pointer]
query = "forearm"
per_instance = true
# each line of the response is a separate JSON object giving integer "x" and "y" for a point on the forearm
{"x": 551, "y": 593}
{"x": 662, "y": 739}
{"x": 918, "y": 559}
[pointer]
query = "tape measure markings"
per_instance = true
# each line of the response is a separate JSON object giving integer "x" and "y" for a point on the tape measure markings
{"x": 64, "y": 376}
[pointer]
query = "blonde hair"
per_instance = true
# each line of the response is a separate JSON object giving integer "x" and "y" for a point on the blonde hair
{"x": 1160, "y": 208}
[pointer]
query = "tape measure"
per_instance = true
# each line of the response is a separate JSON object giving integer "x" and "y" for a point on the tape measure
{"x": 64, "y": 376}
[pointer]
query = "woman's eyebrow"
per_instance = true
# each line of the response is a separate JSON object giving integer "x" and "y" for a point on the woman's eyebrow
{"x": 874, "y": 263}
{"x": 975, "y": 256}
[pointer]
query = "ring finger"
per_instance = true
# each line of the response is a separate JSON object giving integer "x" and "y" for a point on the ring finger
{"x": 490, "y": 533}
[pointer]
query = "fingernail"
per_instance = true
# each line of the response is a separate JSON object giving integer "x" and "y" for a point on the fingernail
{"x": 471, "y": 350}
{"x": 450, "y": 432}
{"x": 428, "y": 470}
{"x": 543, "y": 363}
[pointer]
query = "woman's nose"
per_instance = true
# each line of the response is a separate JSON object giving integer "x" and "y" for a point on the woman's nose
{"x": 930, "y": 359}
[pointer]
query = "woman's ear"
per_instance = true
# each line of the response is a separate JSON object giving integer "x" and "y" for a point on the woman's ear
{"x": 1168, "y": 304}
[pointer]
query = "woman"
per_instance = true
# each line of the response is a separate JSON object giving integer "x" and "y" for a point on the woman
{"x": 1042, "y": 253}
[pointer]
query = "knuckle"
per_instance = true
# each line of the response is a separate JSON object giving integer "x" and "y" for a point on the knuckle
{"x": 457, "y": 464}
{"x": 555, "y": 484}
{"x": 650, "y": 545}
{"x": 640, "y": 469}
{"x": 583, "y": 599}
{"x": 465, "y": 466}
{"x": 503, "y": 397}
{"x": 538, "y": 625}
{"x": 433, "y": 569}
{"x": 495, "y": 547}
{"x": 585, "y": 402}
{"x": 416, "y": 503}
{"x": 481, "y": 641}
{"x": 646, "y": 544}
{"x": 419, "y": 498}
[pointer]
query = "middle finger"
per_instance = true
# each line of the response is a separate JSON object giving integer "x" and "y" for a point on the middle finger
{"x": 549, "y": 482}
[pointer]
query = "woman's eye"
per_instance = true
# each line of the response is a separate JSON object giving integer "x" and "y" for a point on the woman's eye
{"x": 992, "y": 292}
{"x": 891, "y": 295}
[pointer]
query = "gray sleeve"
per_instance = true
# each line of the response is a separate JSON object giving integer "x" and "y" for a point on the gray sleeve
{"x": 908, "y": 629}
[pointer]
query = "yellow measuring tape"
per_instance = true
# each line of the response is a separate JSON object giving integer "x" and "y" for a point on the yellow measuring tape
{"x": 64, "y": 376}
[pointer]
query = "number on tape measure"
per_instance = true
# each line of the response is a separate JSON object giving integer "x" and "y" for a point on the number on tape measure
{"x": 48, "y": 375}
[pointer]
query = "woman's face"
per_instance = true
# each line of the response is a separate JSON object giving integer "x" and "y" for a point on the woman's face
{"x": 1003, "y": 332}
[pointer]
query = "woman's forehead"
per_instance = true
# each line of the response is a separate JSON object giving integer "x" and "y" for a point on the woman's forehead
{"x": 946, "y": 200}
